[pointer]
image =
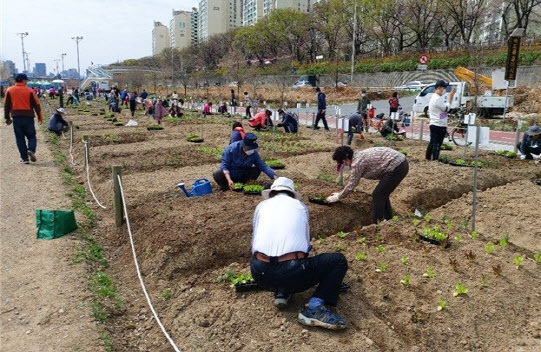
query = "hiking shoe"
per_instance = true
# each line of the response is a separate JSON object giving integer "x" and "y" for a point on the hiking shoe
{"x": 32, "y": 156}
{"x": 322, "y": 317}
{"x": 25, "y": 162}
{"x": 281, "y": 299}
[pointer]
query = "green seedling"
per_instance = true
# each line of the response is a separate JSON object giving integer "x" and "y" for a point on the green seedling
{"x": 489, "y": 248}
{"x": 242, "y": 279}
{"x": 361, "y": 256}
{"x": 395, "y": 218}
{"x": 118, "y": 123}
{"x": 340, "y": 247}
{"x": 320, "y": 240}
{"x": 460, "y": 162}
{"x": 342, "y": 234}
{"x": 449, "y": 225}
{"x": 442, "y": 305}
{"x": 504, "y": 241}
{"x": 460, "y": 290}
{"x": 430, "y": 273}
{"x": 474, "y": 235}
{"x": 427, "y": 218}
{"x": 403, "y": 151}
{"x": 380, "y": 248}
{"x": 446, "y": 147}
{"x": 406, "y": 281}
{"x": 274, "y": 163}
{"x": 167, "y": 294}
{"x": 501, "y": 152}
{"x": 378, "y": 237}
{"x": 362, "y": 240}
{"x": 457, "y": 238}
{"x": 415, "y": 222}
{"x": 238, "y": 185}
{"x": 518, "y": 261}
{"x": 511, "y": 155}
{"x": 253, "y": 188}
{"x": 409, "y": 214}
{"x": 326, "y": 178}
{"x": 404, "y": 260}
{"x": 435, "y": 234}
{"x": 382, "y": 268}
{"x": 537, "y": 258}
{"x": 478, "y": 164}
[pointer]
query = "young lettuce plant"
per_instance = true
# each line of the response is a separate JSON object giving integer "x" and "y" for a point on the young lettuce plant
{"x": 382, "y": 267}
{"x": 474, "y": 235}
{"x": 361, "y": 256}
{"x": 504, "y": 241}
{"x": 342, "y": 234}
{"x": 415, "y": 222}
{"x": 458, "y": 237}
{"x": 537, "y": 258}
{"x": 380, "y": 248}
{"x": 340, "y": 247}
{"x": 406, "y": 281}
{"x": 460, "y": 290}
{"x": 442, "y": 305}
{"x": 362, "y": 240}
{"x": 404, "y": 260}
{"x": 430, "y": 273}
{"x": 489, "y": 248}
{"x": 518, "y": 261}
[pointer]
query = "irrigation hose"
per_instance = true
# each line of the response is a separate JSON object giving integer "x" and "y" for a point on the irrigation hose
{"x": 141, "y": 281}
{"x": 88, "y": 176}
{"x": 71, "y": 145}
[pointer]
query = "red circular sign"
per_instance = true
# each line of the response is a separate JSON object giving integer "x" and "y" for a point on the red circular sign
{"x": 423, "y": 59}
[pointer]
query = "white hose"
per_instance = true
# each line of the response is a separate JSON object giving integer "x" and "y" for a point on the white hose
{"x": 71, "y": 145}
{"x": 141, "y": 281}
{"x": 88, "y": 176}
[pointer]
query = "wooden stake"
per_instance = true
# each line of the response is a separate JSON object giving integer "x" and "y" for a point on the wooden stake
{"x": 117, "y": 198}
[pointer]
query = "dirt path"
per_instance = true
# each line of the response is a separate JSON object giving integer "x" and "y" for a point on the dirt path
{"x": 45, "y": 303}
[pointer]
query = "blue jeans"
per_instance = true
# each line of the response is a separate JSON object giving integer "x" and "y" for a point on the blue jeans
{"x": 24, "y": 128}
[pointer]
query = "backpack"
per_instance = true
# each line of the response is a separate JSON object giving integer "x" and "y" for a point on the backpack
{"x": 393, "y": 102}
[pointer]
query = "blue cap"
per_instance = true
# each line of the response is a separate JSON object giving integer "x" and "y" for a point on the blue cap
{"x": 21, "y": 77}
{"x": 534, "y": 130}
{"x": 249, "y": 141}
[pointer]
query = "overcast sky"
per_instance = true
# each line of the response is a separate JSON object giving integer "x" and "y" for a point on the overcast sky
{"x": 111, "y": 29}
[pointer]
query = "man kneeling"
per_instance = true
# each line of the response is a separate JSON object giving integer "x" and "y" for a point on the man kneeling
{"x": 280, "y": 262}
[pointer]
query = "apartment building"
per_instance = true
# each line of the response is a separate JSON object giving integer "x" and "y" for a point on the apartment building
{"x": 299, "y": 5}
{"x": 218, "y": 16}
{"x": 180, "y": 29}
{"x": 160, "y": 38}
{"x": 195, "y": 26}
{"x": 252, "y": 11}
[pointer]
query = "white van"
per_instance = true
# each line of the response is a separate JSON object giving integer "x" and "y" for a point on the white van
{"x": 421, "y": 101}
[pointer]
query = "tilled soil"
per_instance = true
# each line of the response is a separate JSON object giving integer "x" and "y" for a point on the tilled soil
{"x": 184, "y": 245}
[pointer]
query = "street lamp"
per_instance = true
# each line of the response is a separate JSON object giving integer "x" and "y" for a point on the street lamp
{"x": 62, "y": 55}
{"x": 27, "y": 61}
{"x": 77, "y": 40}
{"x": 57, "y": 60}
{"x": 22, "y": 35}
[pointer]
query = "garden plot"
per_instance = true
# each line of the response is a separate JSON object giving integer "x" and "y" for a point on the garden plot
{"x": 185, "y": 245}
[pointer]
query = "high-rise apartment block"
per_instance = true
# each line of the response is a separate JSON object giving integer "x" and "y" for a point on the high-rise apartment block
{"x": 252, "y": 10}
{"x": 218, "y": 16}
{"x": 180, "y": 29}
{"x": 160, "y": 38}
{"x": 195, "y": 26}
{"x": 40, "y": 69}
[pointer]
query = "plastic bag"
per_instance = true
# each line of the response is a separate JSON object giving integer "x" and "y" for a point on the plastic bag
{"x": 131, "y": 123}
{"x": 52, "y": 224}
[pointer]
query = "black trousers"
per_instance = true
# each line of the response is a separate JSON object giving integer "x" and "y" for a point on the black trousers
{"x": 249, "y": 112}
{"x": 381, "y": 204}
{"x": 437, "y": 135}
{"x": 528, "y": 151}
{"x": 321, "y": 116}
{"x": 251, "y": 173}
{"x": 324, "y": 270}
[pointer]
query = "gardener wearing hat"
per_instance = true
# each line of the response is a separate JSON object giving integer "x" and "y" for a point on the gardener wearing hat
{"x": 240, "y": 163}
{"x": 21, "y": 103}
{"x": 57, "y": 124}
{"x": 438, "y": 110}
{"x": 531, "y": 143}
{"x": 380, "y": 163}
{"x": 280, "y": 262}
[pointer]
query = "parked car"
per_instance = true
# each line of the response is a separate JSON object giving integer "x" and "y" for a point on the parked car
{"x": 413, "y": 85}
{"x": 233, "y": 84}
{"x": 302, "y": 84}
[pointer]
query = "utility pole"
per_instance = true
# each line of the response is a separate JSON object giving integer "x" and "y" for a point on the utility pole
{"x": 77, "y": 40}
{"x": 27, "y": 61}
{"x": 353, "y": 39}
{"x": 22, "y": 35}
{"x": 62, "y": 55}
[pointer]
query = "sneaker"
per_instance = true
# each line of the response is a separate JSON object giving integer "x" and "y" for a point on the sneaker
{"x": 281, "y": 299}
{"x": 32, "y": 156}
{"x": 25, "y": 162}
{"x": 322, "y": 317}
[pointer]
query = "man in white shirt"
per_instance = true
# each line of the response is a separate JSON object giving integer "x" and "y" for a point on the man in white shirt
{"x": 438, "y": 112}
{"x": 280, "y": 262}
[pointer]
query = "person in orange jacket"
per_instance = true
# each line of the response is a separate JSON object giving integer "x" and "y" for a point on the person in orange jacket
{"x": 20, "y": 104}
{"x": 260, "y": 120}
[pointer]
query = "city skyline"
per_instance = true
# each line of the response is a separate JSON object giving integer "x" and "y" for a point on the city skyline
{"x": 49, "y": 38}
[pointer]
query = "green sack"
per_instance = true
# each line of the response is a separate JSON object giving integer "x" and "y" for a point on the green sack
{"x": 52, "y": 224}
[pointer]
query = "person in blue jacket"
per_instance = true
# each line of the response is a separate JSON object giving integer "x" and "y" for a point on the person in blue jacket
{"x": 321, "y": 109}
{"x": 57, "y": 124}
{"x": 240, "y": 163}
{"x": 289, "y": 123}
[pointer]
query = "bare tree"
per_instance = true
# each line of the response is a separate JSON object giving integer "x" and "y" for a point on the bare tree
{"x": 517, "y": 14}
{"x": 466, "y": 15}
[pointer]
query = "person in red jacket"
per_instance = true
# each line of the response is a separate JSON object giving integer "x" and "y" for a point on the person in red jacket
{"x": 20, "y": 104}
{"x": 260, "y": 120}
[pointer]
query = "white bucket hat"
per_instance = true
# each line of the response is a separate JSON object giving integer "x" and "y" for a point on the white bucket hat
{"x": 282, "y": 184}
{"x": 61, "y": 110}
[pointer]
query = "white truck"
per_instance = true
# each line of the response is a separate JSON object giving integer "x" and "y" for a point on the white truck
{"x": 487, "y": 103}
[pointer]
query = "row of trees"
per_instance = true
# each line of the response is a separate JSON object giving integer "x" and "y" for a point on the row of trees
{"x": 382, "y": 27}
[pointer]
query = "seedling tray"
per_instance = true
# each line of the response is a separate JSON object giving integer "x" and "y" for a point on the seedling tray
{"x": 199, "y": 140}
{"x": 433, "y": 241}
{"x": 252, "y": 193}
{"x": 252, "y": 286}
{"x": 278, "y": 167}
{"x": 464, "y": 165}
{"x": 318, "y": 201}
{"x": 154, "y": 128}
{"x": 537, "y": 182}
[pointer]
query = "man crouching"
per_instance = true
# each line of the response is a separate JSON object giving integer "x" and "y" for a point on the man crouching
{"x": 280, "y": 262}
